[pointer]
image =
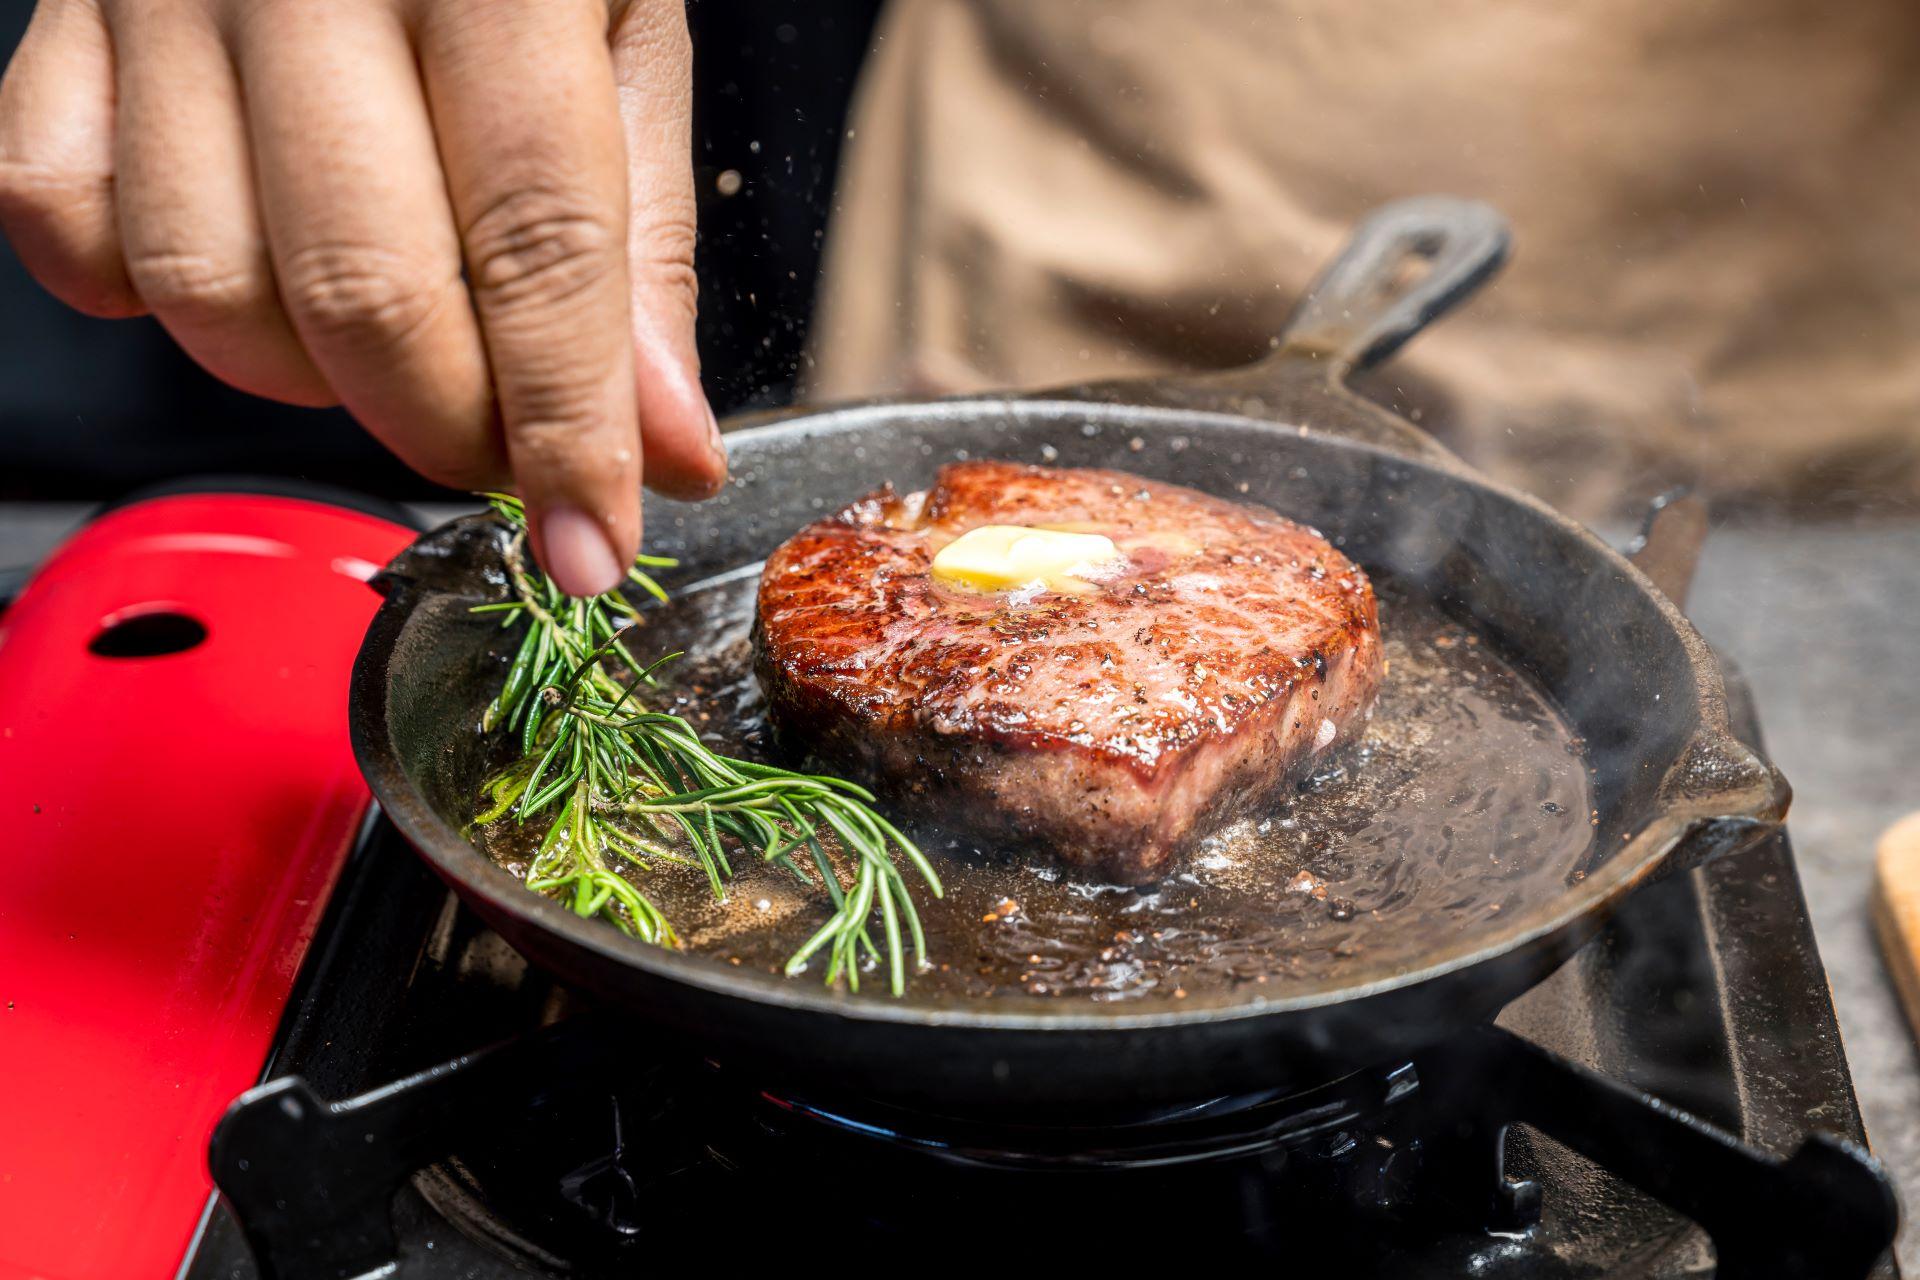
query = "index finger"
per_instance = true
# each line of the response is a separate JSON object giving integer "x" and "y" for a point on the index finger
{"x": 529, "y": 130}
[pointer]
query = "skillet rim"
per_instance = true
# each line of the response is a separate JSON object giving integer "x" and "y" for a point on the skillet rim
{"x": 1636, "y": 861}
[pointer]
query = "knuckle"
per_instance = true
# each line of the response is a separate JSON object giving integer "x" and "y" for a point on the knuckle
{"x": 656, "y": 36}
{"x": 359, "y": 293}
{"x": 662, "y": 262}
{"x": 45, "y": 192}
{"x": 567, "y": 442}
{"x": 197, "y": 286}
{"x": 60, "y": 220}
{"x": 540, "y": 246}
{"x": 553, "y": 397}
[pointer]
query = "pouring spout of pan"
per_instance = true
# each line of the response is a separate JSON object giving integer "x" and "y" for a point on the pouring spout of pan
{"x": 1735, "y": 796}
{"x": 1731, "y": 797}
{"x": 460, "y": 558}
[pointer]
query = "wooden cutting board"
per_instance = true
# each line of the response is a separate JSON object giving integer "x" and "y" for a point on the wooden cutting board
{"x": 1896, "y": 910}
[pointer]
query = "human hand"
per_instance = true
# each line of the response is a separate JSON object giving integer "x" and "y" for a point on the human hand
{"x": 471, "y": 222}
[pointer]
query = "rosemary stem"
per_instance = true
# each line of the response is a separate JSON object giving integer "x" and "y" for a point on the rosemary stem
{"x": 621, "y": 786}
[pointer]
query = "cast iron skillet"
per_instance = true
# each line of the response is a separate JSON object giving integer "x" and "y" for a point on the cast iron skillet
{"x": 1672, "y": 786}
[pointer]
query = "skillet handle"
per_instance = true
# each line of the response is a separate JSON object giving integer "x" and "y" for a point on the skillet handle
{"x": 1366, "y": 305}
{"x": 1360, "y": 310}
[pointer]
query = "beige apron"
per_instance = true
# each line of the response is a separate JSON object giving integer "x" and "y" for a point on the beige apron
{"x": 1716, "y": 207}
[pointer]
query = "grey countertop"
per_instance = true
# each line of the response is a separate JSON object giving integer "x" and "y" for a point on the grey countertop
{"x": 1825, "y": 622}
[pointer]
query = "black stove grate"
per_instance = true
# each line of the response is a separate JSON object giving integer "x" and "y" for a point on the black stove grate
{"x": 580, "y": 1145}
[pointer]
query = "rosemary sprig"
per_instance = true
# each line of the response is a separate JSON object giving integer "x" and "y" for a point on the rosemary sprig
{"x": 626, "y": 787}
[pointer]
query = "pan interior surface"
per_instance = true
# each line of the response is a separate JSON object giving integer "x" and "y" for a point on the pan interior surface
{"x": 1464, "y": 805}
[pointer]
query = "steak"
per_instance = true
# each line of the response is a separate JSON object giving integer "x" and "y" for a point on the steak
{"x": 1112, "y": 728}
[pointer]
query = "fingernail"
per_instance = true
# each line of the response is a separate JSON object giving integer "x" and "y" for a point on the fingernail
{"x": 578, "y": 556}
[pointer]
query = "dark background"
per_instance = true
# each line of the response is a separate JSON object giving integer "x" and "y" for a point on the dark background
{"x": 90, "y": 408}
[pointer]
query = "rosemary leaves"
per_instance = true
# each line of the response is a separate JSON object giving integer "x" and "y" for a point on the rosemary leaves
{"x": 622, "y": 788}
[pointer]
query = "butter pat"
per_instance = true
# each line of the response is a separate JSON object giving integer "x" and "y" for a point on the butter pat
{"x": 1000, "y": 557}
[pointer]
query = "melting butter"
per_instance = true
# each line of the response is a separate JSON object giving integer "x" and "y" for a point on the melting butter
{"x": 1002, "y": 557}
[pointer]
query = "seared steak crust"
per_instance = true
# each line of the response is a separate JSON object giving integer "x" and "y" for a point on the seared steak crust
{"x": 1112, "y": 728}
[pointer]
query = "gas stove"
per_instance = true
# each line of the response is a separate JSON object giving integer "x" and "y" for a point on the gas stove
{"x": 436, "y": 1107}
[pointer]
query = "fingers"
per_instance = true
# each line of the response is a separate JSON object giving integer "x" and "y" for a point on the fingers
{"x": 361, "y": 233}
{"x": 653, "y": 67}
{"x": 195, "y": 249}
{"x": 56, "y": 159}
{"x": 523, "y": 100}
{"x": 284, "y": 201}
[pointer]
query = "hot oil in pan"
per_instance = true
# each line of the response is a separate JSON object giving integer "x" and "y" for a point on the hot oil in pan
{"x": 1465, "y": 802}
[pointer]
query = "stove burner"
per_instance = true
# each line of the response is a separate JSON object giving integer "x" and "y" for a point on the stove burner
{"x": 1216, "y": 1129}
{"x": 1270, "y": 1166}
{"x": 1364, "y": 1166}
